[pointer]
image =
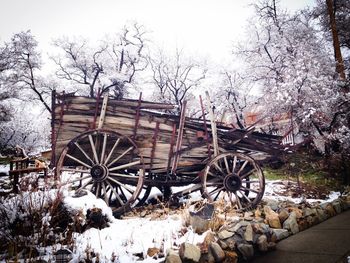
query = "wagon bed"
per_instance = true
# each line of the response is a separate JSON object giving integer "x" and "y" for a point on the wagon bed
{"x": 123, "y": 148}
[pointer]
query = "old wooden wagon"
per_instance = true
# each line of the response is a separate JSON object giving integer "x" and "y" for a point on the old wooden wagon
{"x": 120, "y": 149}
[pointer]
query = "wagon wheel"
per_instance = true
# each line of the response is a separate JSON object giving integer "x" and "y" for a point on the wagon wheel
{"x": 236, "y": 178}
{"x": 105, "y": 163}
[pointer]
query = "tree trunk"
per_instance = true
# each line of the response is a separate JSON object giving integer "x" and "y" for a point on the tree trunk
{"x": 336, "y": 45}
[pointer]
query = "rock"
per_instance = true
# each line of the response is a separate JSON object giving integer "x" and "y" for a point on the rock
{"x": 248, "y": 234}
{"x": 189, "y": 252}
{"x": 237, "y": 226}
{"x": 63, "y": 255}
{"x": 222, "y": 244}
{"x": 343, "y": 203}
{"x": 95, "y": 218}
{"x": 209, "y": 238}
{"x": 312, "y": 220}
{"x": 231, "y": 243}
{"x": 330, "y": 210}
{"x": 247, "y": 251}
{"x": 291, "y": 223}
{"x": 261, "y": 228}
{"x": 281, "y": 233}
{"x": 257, "y": 213}
{"x": 224, "y": 234}
{"x": 200, "y": 220}
{"x": 217, "y": 252}
{"x": 321, "y": 214}
{"x": 273, "y": 204}
{"x": 298, "y": 212}
{"x": 207, "y": 258}
{"x": 249, "y": 216}
{"x": 262, "y": 243}
{"x": 271, "y": 246}
{"x": 272, "y": 218}
{"x": 80, "y": 193}
{"x": 273, "y": 237}
{"x": 143, "y": 213}
{"x": 283, "y": 215}
{"x": 173, "y": 258}
{"x": 152, "y": 251}
{"x": 309, "y": 212}
{"x": 347, "y": 200}
{"x": 337, "y": 206}
{"x": 302, "y": 223}
{"x": 231, "y": 257}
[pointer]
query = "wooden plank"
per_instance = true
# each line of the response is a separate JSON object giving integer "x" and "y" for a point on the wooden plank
{"x": 213, "y": 125}
{"x": 103, "y": 112}
{"x": 179, "y": 137}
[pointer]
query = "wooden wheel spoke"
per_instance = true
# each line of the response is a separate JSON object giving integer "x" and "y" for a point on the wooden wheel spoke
{"x": 103, "y": 147}
{"x": 247, "y": 174}
{"x": 244, "y": 196}
{"x": 75, "y": 170}
{"x": 122, "y": 192}
{"x": 98, "y": 188}
{"x": 123, "y": 166}
{"x": 218, "y": 168}
{"x": 112, "y": 150}
{"x": 120, "y": 156}
{"x": 78, "y": 161}
{"x": 249, "y": 189}
{"x": 83, "y": 152}
{"x": 217, "y": 195}
{"x": 93, "y": 148}
{"x": 105, "y": 191}
{"x": 211, "y": 174}
{"x": 124, "y": 176}
{"x": 251, "y": 181}
{"x": 238, "y": 201}
{"x": 77, "y": 179}
{"x": 226, "y": 165}
{"x": 229, "y": 195}
{"x": 122, "y": 185}
{"x": 243, "y": 166}
{"x": 214, "y": 182}
{"x": 216, "y": 190}
{"x": 234, "y": 164}
{"x": 115, "y": 193}
{"x": 84, "y": 185}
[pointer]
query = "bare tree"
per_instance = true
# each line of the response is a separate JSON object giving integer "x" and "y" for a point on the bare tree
{"x": 233, "y": 93}
{"x": 23, "y": 67}
{"x": 176, "y": 77}
{"x": 110, "y": 67}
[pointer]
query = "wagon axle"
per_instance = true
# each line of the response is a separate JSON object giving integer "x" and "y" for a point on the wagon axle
{"x": 232, "y": 183}
{"x": 99, "y": 173}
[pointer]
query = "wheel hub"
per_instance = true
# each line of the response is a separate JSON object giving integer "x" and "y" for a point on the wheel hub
{"x": 99, "y": 172}
{"x": 232, "y": 183}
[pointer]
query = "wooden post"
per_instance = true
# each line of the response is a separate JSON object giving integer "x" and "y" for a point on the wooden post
{"x": 205, "y": 126}
{"x": 179, "y": 138}
{"x": 53, "y": 133}
{"x": 137, "y": 117}
{"x": 213, "y": 125}
{"x": 103, "y": 112}
{"x": 96, "y": 108}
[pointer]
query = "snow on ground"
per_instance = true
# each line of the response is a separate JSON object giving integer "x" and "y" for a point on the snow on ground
{"x": 124, "y": 238}
{"x": 4, "y": 168}
{"x": 128, "y": 237}
{"x": 274, "y": 188}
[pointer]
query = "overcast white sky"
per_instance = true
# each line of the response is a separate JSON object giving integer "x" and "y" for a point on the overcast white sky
{"x": 206, "y": 27}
